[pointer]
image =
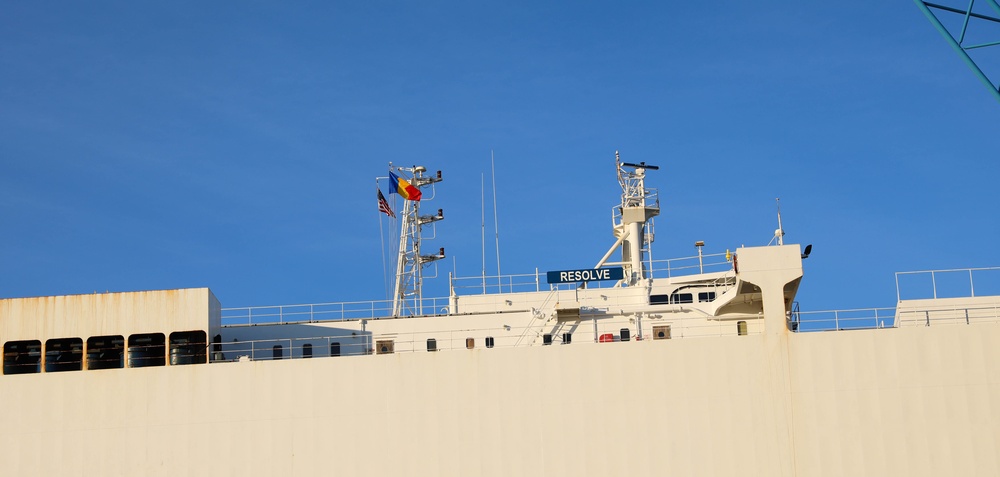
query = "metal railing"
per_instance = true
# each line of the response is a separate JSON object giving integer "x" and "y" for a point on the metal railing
{"x": 476, "y": 285}
{"x": 316, "y": 312}
{"x": 485, "y": 284}
{"x": 953, "y": 283}
{"x": 950, "y": 315}
{"x": 835, "y": 320}
{"x": 683, "y": 266}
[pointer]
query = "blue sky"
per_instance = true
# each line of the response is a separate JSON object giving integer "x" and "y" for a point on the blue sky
{"x": 234, "y": 145}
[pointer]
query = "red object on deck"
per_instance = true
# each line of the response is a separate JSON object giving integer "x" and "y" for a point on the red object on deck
{"x": 606, "y": 338}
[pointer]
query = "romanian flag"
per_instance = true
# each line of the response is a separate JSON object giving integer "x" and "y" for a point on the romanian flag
{"x": 403, "y": 188}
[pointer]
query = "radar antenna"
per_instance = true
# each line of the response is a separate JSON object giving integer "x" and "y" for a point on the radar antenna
{"x": 638, "y": 206}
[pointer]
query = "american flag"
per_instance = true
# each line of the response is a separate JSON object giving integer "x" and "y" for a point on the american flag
{"x": 383, "y": 206}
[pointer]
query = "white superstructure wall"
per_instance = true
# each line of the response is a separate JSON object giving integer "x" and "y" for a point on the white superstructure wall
{"x": 910, "y": 401}
{"x": 125, "y": 313}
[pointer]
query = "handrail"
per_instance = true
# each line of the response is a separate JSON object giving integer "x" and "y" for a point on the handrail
{"x": 836, "y": 320}
{"x": 936, "y": 290}
{"x": 514, "y": 283}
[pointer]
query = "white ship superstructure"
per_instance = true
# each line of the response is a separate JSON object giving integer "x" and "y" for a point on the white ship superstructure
{"x": 695, "y": 366}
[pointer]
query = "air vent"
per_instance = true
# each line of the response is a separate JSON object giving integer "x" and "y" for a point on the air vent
{"x": 568, "y": 314}
{"x": 661, "y": 332}
{"x": 384, "y": 347}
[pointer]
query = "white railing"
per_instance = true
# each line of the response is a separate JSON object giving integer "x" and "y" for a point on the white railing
{"x": 485, "y": 284}
{"x": 315, "y": 312}
{"x": 950, "y": 315}
{"x": 518, "y": 283}
{"x": 954, "y": 283}
{"x": 683, "y": 266}
{"x": 834, "y": 320}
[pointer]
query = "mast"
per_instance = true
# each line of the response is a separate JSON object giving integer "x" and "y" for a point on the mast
{"x": 410, "y": 263}
{"x": 639, "y": 204}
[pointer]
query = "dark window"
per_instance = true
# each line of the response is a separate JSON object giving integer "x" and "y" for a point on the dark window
{"x": 432, "y": 344}
{"x": 625, "y": 334}
{"x": 567, "y": 338}
{"x": 217, "y": 354}
{"x": 105, "y": 352}
{"x": 307, "y": 350}
{"x": 681, "y": 298}
{"x": 489, "y": 342}
{"x": 546, "y": 339}
{"x": 706, "y": 296}
{"x": 22, "y": 357}
{"x": 470, "y": 343}
{"x": 335, "y": 349}
{"x": 63, "y": 354}
{"x": 277, "y": 352}
{"x": 188, "y": 347}
{"x": 741, "y": 328}
{"x": 659, "y": 299}
{"x": 146, "y": 350}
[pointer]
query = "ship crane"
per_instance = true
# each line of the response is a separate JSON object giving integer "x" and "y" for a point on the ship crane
{"x": 408, "y": 295}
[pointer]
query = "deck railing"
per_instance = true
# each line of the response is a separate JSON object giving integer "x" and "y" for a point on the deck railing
{"x": 317, "y": 312}
{"x": 954, "y": 283}
{"x": 481, "y": 285}
{"x": 950, "y": 315}
{"x": 833, "y": 320}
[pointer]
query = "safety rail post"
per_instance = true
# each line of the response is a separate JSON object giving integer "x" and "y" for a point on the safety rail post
{"x": 538, "y": 286}
{"x": 836, "y": 320}
{"x": 927, "y": 315}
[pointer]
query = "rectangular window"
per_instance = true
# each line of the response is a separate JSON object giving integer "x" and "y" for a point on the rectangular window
{"x": 105, "y": 352}
{"x": 681, "y": 298}
{"x": 188, "y": 347}
{"x": 147, "y": 349}
{"x": 659, "y": 299}
{"x": 307, "y": 350}
{"x": 489, "y": 342}
{"x": 706, "y": 297}
{"x": 63, "y": 354}
{"x": 335, "y": 349}
{"x": 432, "y": 344}
{"x": 22, "y": 357}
